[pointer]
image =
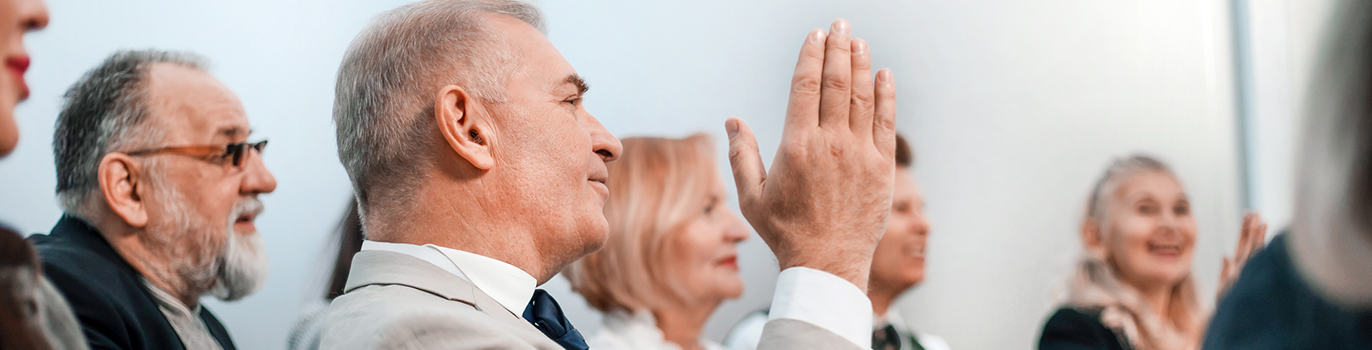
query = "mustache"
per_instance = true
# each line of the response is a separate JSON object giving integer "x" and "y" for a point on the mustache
{"x": 246, "y": 206}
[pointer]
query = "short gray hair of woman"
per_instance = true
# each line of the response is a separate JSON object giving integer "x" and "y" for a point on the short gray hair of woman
{"x": 386, "y": 84}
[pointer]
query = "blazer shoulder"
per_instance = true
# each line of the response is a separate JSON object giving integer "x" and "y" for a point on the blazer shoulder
{"x": 1074, "y": 328}
{"x": 403, "y": 317}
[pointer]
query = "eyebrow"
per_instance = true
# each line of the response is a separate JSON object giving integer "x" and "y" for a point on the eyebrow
{"x": 581, "y": 86}
{"x": 234, "y": 131}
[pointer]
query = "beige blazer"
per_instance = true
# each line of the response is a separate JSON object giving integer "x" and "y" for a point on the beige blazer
{"x": 395, "y": 301}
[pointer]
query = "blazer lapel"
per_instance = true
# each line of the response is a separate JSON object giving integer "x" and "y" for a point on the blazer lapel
{"x": 390, "y": 268}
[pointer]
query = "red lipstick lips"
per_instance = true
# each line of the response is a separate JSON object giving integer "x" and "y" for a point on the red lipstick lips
{"x": 17, "y": 66}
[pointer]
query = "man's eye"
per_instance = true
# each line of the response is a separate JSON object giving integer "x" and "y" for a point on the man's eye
{"x": 573, "y": 101}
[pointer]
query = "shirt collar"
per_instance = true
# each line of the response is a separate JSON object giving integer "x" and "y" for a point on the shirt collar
{"x": 510, "y": 286}
{"x": 170, "y": 303}
{"x": 428, "y": 255}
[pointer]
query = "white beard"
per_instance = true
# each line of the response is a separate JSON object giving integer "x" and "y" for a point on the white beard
{"x": 243, "y": 266}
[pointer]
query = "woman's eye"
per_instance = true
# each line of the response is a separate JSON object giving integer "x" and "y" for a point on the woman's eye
{"x": 1148, "y": 209}
{"x": 709, "y": 208}
{"x": 1182, "y": 210}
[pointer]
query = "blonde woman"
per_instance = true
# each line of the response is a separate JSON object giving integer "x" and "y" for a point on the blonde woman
{"x": 1133, "y": 288}
{"x": 670, "y": 259}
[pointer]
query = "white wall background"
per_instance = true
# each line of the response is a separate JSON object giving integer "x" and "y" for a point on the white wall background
{"x": 1014, "y": 107}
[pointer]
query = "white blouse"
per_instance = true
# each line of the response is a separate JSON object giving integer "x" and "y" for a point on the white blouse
{"x": 624, "y": 331}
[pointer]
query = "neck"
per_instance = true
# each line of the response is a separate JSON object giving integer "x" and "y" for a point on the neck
{"x": 131, "y": 244}
{"x": 681, "y": 323}
{"x": 1159, "y": 299}
{"x": 457, "y": 216}
{"x": 883, "y": 296}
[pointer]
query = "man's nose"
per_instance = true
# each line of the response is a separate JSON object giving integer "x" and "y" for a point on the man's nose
{"x": 603, "y": 142}
{"x": 257, "y": 179}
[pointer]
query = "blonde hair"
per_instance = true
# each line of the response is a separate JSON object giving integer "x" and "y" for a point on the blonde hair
{"x": 1096, "y": 282}
{"x": 654, "y": 187}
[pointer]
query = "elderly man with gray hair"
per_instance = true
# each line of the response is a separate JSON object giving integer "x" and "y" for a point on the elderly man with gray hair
{"x": 160, "y": 191}
{"x": 479, "y": 175}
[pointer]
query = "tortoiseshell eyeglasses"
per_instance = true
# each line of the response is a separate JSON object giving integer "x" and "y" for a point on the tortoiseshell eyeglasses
{"x": 220, "y": 154}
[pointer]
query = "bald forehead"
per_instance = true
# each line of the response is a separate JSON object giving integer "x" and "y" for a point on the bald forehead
{"x": 193, "y": 106}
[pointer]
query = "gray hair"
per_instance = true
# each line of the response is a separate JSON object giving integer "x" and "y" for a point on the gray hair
{"x": 106, "y": 111}
{"x": 1096, "y": 283}
{"x": 1332, "y": 227}
{"x": 1120, "y": 170}
{"x": 387, "y": 80}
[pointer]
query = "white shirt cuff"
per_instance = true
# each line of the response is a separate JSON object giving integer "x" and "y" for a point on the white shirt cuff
{"x": 825, "y": 300}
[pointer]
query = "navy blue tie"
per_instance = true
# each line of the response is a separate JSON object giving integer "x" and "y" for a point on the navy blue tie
{"x": 547, "y": 316}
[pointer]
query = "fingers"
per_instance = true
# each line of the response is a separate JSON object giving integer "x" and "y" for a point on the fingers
{"x": 860, "y": 107}
{"x": 1261, "y": 240}
{"x": 1226, "y": 270}
{"x": 803, "y": 108}
{"x": 747, "y": 164}
{"x": 1244, "y": 232}
{"x": 884, "y": 115}
{"x": 836, "y": 88}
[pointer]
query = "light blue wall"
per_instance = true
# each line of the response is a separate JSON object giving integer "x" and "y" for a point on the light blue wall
{"x": 1013, "y": 108}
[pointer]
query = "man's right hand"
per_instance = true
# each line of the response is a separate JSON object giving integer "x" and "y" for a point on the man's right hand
{"x": 825, "y": 201}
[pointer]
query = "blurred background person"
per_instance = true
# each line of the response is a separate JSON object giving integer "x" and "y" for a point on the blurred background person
{"x": 1133, "y": 287}
{"x": 671, "y": 255}
{"x": 160, "y": 190}
{"x": 897, "y": 267}
{"x": 349, "y": 237}
{"x": 20, "y": 315}
{"x": 33, "y": 314}
{"x": 1312, "y": 287}
{"x": 17, "y": 17}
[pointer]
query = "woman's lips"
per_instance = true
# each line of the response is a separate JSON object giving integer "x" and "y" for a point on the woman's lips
{"x": 17, "y": 65}
{"x": 729, "y": 262}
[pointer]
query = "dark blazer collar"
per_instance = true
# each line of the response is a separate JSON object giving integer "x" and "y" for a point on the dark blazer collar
{"x": 78, "y": 233}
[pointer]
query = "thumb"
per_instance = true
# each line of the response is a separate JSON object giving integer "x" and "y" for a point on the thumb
{"x": 743, "y": 156}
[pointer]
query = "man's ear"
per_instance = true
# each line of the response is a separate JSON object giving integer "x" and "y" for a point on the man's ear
{"x": 461, "y": 120}
{"x": 121, "y": 182}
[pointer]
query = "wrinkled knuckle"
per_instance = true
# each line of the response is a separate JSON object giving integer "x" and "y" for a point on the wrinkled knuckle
{"x": 805, "y": 85}
{"x": 833, "y": 83}
{"x": 864, "y": 101}
{"x": 736, "y": 152}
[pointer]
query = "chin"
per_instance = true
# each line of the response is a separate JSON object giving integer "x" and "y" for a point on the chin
{"x": 731, "y": 290}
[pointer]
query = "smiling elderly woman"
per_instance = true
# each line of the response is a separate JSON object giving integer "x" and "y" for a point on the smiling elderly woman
{"x": 670, "y": 258}
{"x": 1133, "y": 288}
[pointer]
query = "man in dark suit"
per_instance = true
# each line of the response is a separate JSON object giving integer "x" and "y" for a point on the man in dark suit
{"x": 160, "y": 192}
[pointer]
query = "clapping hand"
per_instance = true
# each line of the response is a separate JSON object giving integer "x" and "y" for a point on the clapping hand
{"x": 1251, "y": 239}
{"x": 825, "y": 201}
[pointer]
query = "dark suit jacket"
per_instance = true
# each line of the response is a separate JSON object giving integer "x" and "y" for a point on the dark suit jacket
{"x": 115, "y": 309}
{"x": 1272, "y": 307}
{"x": 1079, "y": 329}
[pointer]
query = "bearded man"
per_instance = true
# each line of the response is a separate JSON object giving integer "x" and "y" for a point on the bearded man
{"x": 159, "y": 187}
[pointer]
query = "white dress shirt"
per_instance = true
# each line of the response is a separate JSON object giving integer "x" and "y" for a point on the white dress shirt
{"x": 510, "y": 286}
{"x": 809, "y": 295}
{"x": 926, "y": 340}
{"x": 825, "y": 300}
{"x": 622, "y": 330}
{"x": 184, "y": 320}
